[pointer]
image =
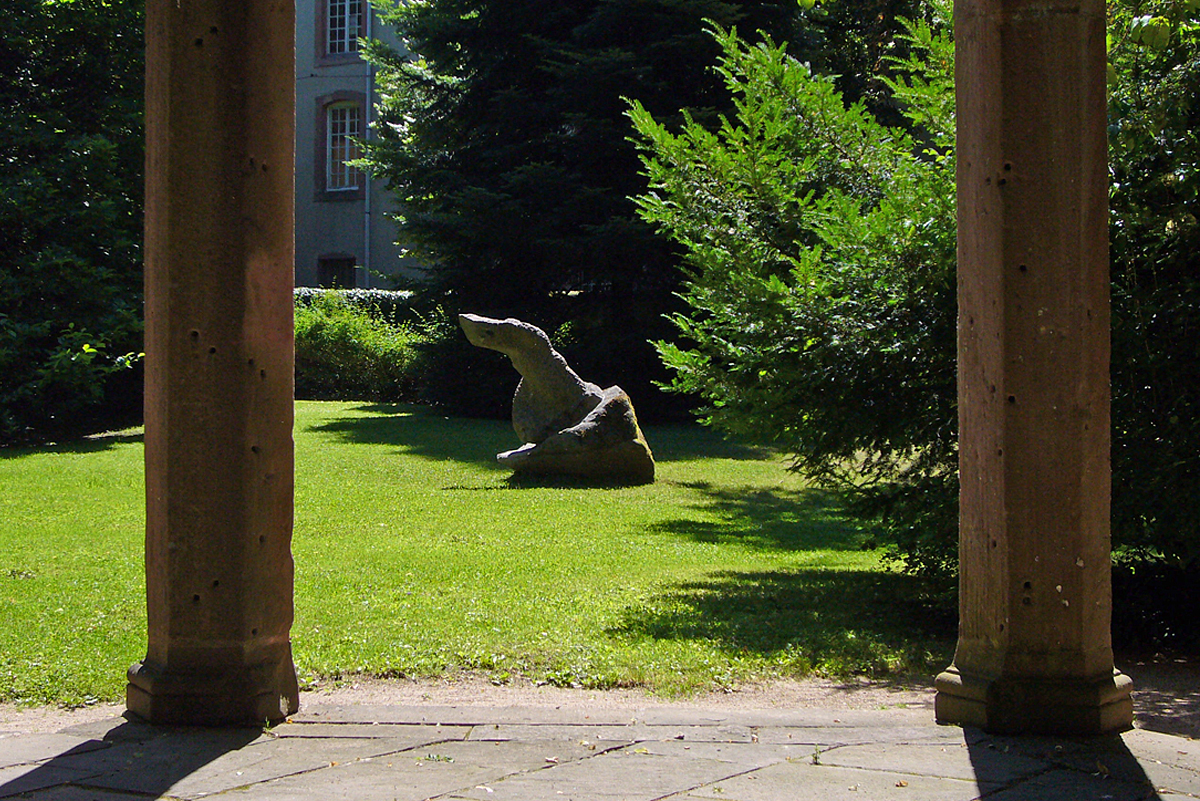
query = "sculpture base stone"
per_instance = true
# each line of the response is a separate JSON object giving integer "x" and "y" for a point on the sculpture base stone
{"x": 607, "y": 445}
{"x": 1016, "y": 705}
{"x": 224, "y": 695}
{"x": 625, "y": 463}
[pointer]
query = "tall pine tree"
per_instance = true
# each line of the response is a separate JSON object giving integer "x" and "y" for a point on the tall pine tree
{"x": 506, "y": 145}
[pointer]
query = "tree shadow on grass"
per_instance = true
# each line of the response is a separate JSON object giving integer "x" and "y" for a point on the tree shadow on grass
{"x": 421, "y": 431}
{"x": 678, "y": 443}
{"x": 837, "y": 621}
{"x": 94, "y": 443}
{"x": 792, "y": 520}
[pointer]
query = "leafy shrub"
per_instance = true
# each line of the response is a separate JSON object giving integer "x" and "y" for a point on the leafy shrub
{"x": 382, "y": 304}
{"x": 343, "y": 352}
{"x": 811, "y": 330}
{"x": 1154, "y": 116}
{"x": 821, "y": 247}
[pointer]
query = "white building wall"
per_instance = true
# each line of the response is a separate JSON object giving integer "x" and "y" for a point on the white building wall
{"x": 346, "y": 224}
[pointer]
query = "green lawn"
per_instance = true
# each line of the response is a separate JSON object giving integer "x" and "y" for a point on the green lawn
{"x": 416, "y": 555}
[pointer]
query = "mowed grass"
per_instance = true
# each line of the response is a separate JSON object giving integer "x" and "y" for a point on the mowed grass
{"x": 417, "y": 556}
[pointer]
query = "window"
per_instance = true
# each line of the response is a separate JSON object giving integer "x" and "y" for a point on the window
{"x": 336, "y": 272}
{"x": 343, "y": 127}
{"x": 339, "y": 125}
{"x": 343, "y": 21}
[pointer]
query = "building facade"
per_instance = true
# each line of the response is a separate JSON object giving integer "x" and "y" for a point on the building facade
{"x": 344, "y": 238}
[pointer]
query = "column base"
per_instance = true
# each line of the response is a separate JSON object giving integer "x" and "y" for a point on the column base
{"x": 1019, "y": 705}
{"x": 224, "y": 695}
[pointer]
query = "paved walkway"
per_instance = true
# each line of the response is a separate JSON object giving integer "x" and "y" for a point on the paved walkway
{"x": 403, "y": 753}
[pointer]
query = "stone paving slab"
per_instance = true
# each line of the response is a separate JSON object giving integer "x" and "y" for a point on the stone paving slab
{"x": 74, "y": 793}
{"x": 183, "y": 774}
{"x": 545, "y": 754}
{"x": 642, "y": 773}
{"x": 19, "y": 779}
{"x": 803, "y": 781}
{"x": 464, "y": 715}
{"x": 943, "y": 760}
{"x": 632, "y": 733}
{"x": 842, "y": 735}
{"x": 390, "y": 731}
{"x": 21, "y": 750}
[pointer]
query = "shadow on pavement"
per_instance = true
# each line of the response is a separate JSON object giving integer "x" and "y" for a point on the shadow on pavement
{"x": 1058, "y": 767}
{"x": 132, "y": 757}
{"x": 1166, "y": 693}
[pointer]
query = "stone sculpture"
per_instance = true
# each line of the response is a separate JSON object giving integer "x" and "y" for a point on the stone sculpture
{"x": 569, "y": 426}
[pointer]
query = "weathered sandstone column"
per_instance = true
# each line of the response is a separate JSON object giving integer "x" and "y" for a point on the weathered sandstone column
{"x": 219, "y": 212}
{"x": 1034, "y": 650}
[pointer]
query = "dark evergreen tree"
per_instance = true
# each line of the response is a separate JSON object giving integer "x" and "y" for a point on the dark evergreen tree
{"x": 70, "y": 212}
{"x": 506, "y": 145}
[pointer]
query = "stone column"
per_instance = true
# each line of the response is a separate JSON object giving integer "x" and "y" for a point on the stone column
{"x": 218, "y": 253}
{"x": 1034, "y": 650}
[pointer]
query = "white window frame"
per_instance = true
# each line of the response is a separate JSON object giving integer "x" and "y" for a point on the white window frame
{"x": 343, "y": 23}
{"x": 343, "y": 130}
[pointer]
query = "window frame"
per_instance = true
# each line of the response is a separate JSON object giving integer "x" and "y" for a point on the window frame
{"x": 324, "y": 57}
{"x": 332, "y": 267}
{"x": 323, "y": 150}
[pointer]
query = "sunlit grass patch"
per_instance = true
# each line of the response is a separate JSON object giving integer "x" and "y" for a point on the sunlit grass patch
{"x": 417, "y": 556}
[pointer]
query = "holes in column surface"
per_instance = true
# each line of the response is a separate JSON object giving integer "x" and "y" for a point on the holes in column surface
{"x": 1028, "y": 585}
{"x": 199, "y": 42}
{"x": 1012, "y": 398}
{"x": 216, "y": 583}
{"x": 1008, "y": 166}
{"x": 1023, "y": 268}
{"x": 212, "y": 351}
{"x": 254, "y": 449}
{"x": 195, "y": 599}
{"x": 262, "y": 539}
{"x": 253, "y": 632}
{"x": 194, "y": 334}
{"x": 262, "y": 374}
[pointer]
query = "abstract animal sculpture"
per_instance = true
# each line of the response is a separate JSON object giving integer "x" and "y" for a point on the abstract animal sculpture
{"x": 569, "y": 426}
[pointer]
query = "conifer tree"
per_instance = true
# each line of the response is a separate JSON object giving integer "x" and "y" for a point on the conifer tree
{"x": 505, "y": 144}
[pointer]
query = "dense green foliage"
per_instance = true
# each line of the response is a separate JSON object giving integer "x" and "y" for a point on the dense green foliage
{"x": 812, "y": 329}
{"x": 417, "y": 556}
{"x": 505, "y": 146}
{"x": 70, "y": 209}
{"x": 820, "y": 246}
{"x": 1154, "y": 125}
{"x": 347, "y": 349}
